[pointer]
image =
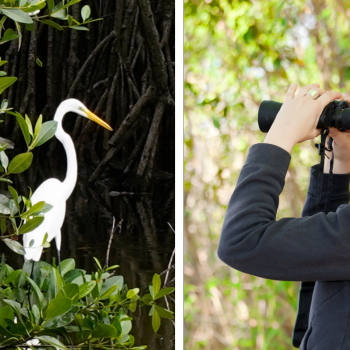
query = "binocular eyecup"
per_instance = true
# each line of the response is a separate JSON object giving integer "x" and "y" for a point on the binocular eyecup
{"x": 336, "y": 115}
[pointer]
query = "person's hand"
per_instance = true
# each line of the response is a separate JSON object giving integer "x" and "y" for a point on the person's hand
{"x": 298, "y": 117}
{"x": 341, "y": 149}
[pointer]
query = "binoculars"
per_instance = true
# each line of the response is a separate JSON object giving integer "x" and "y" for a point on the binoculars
{"x": 336, "y": 115}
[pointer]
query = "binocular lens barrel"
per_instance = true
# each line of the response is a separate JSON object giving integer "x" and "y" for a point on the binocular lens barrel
{"x": 336, "y": 114}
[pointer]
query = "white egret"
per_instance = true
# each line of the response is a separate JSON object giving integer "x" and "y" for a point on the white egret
{"x": 55, "y": 192}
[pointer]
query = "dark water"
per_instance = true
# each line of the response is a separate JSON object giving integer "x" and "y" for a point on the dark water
{"x": 142, "y": 247}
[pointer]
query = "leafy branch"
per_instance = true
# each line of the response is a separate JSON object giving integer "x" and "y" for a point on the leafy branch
{"x": 71, "y": 308}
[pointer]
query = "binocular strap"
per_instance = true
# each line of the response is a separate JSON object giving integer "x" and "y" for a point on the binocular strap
{"x": 307, "y": 287}
{"x": 302, "y": 320}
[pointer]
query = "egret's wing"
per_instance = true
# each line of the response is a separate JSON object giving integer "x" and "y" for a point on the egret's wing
{"x": 50, "y": 192}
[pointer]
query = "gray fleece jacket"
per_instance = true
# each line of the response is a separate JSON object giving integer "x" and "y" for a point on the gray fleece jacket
{"x": 314, "y": 248}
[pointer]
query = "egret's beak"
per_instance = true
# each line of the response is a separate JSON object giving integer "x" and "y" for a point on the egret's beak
{"x": 97, "y": 120}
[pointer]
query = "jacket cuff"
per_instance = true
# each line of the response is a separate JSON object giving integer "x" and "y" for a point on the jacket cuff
{"x": 340, "y": 183}
{"x": 269, "y": 155}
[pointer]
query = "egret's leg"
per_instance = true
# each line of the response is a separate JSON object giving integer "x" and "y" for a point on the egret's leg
{"x": 32, "y": 272}
{"x": 58, "y": 247}
{"x": 30, "y": 286}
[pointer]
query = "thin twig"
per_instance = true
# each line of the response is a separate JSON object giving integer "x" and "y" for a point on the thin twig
{"x": 110, "y": 241}
{"x": 111, "y": 237}
{"x": 169, "y": 265}
{"x": 171, "y": 227}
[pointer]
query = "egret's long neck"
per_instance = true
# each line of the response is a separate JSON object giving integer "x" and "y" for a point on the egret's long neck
{"x": 72, "y": 168}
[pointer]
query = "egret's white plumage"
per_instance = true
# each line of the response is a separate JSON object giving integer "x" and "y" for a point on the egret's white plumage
{"x": 53, "y": 191}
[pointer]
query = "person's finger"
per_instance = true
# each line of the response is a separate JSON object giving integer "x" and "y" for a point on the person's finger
{"x": 327, "y": 97}
{"x": 305, "y": 89}
{"x": 319, "y": 93}
{"x": 290, "y": 93}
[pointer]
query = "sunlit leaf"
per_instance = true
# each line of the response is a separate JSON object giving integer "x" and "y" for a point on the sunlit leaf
{"x": 4, "y": 160}
{"x": 31, "y": 224}
{"x": 17, "y": 15}
{"x": 67, "y": 265}
{"x": 47, "y": 131}
{"x": 85, "y": 12}
{"x": 20, "y": 163}
{"x": 86, "y": 288}
{"x": 156, "y": 283}
{"x": 163, "y": 292}
{"x": 5, "y": 82}
{"x": 35, "y": 208}
{"x": 155, "y": 320}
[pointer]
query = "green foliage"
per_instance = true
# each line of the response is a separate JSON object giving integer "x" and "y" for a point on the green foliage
{"x": 27, "y": 11}
{"x": 72, "y": 307}
{"x": 236, "y": 55}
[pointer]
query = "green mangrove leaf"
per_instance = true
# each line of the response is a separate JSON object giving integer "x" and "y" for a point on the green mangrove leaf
{"x": 9, "y": 35}
{"x": 29, "y": 124}
{"x": 104, "y": 331}
{"x": 70, "y": 291}
{"x": 20, "y": 163}
{"x": 132, "y": 292}
{"x": 85, "y": 12}
{"x": 50, "y": 4}
{"x": 52, "y": 341}
{"x": 17, "y": 15}
{"x": 4, "y": 160}
{"x": 155, "y": 320}
{"x": 31, "y": 224}
{"x": 164, "y": 312}
{"x": 24, "y": 127}
{"x": 72, "y": 275}
{"x": 17, "y": 307}
{"x": 108, "y": 292}
{"x": 163, "y": 292}
{"x": 14, "y": 195}
{"x": 63, "y": 320}
{"x": 38, "y": 62}
{"x": 38, "y": 126}
{"x": 6, "y": 312}
{"x": 35, "y": 208}
{"x": 156, "y": 283}
{"x": 41, "y": 300}
{"x": 36, "y": 314}
{"x": 12, "y": 276}
{"x": 15, "y": 246}
{"x": 47, "y": 131}
{"x": 80, "y": 28}
{"x": 86, "y": 288}
{"x": 52, "y": 24}
{"x": 67, "y": 265}
{"x": 57, "y": 307}
{"x": 6, "y": 82}
{"x": 115, "y": 280}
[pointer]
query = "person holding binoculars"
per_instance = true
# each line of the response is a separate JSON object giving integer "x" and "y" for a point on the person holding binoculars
{"x": 313, "y": 249}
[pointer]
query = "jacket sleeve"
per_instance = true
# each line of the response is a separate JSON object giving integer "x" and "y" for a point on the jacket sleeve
{"x": 310, "y": 248}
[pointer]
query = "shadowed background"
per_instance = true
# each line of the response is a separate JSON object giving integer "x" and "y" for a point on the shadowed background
{"x": 236, "y": 55}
